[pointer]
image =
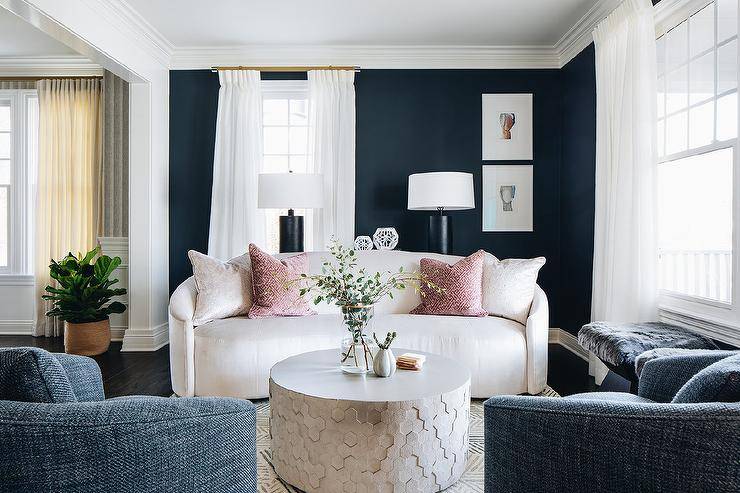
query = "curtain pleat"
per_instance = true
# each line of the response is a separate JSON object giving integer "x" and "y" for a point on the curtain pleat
{"x": 114, "y": 183}
{"x": 624, "y": 275}
{"x": 68, "y": 197}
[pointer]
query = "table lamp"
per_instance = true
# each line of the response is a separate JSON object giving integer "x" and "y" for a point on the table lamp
{"x": 440, "y": 191}
{"x": 290, "y": 191}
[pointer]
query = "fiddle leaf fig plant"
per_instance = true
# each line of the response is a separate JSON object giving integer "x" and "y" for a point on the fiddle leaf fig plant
{"x": 84, "y": 289}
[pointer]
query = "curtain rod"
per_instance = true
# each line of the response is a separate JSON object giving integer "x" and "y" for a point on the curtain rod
{"x": 287, "y": 69}
{"x": 38, "y": 78}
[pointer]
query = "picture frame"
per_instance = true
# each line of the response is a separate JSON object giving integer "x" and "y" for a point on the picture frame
{"x": 507, "y": 127}
{"x": 508, "y": 198}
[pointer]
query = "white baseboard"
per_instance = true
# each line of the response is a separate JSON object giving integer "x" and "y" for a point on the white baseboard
{"x": 16, "y": 327}
{"x": 568, "y": 341}
{"x": 146, "y": 339}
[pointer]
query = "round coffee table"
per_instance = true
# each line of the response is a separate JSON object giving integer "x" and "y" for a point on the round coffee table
{"x": 334, "y": 432}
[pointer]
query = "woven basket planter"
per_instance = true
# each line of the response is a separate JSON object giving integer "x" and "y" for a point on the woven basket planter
{"x": 87, "y": 339}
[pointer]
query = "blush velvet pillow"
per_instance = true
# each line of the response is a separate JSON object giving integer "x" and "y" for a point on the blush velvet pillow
{"x": 461, "y": 284}
{"x": 224, "y": 288}
{"x": 271, "y": 298}
{"x": 508, "y": 286}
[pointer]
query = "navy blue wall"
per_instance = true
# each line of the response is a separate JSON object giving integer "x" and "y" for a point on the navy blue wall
{"x": 412, "y": 121}
{"x": 577, "y": 179}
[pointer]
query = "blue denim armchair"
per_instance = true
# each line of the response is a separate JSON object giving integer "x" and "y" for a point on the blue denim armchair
{"x": 680, "y": 433}
{"x": 58, "y": 433}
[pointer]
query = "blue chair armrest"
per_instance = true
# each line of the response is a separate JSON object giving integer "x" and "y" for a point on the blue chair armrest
{"x": 661, "y": 378}
{"x": 84, "y": 375}
{"x": 539, "y": 444}
{"x": 152, "y": 444}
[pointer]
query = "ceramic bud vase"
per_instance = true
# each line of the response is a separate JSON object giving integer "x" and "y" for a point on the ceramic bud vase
{"x": 384, "y": 363}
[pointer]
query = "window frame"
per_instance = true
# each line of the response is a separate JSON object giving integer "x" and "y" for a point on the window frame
{"x": 21, "y": 191}
{"x": 717, "y": 319}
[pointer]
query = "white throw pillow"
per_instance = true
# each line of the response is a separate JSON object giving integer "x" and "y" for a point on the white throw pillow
{"x": 508, "y": 286}
{"x": 224, "y": 288}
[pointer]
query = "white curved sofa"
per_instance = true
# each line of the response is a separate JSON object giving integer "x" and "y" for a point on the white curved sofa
{"x": 232, "y": 357}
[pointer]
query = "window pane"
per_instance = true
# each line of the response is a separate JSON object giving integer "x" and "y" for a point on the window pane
{"x": 727, "y": 117}
{"x": 702, "y": 78}
{"x": 276, "y": 140}
{"x": 4, "y": 204}
{"x": 298, "y": 140}
{"x": 298, "y": 112}
{"x": 726, "y": 19}
{"x": 298, "y": 164}
{"x": 676, "y": 130}
{"x": 661, "y": 97}
{"x": 727, "y": 67}
{"x": 695, "y": 225}
{"x": 677, "y": 90}
{"x": 275, "y": 164}
{"x": 677, "y": 45}
{"x": 4, "y": 145}
{"x": 4, "y": 116}
{"x": 660, "y": 53}
{"x": 701, "y": 125}
{"x": 4, "y": 172}
{"x": 275, "y": 111}
{"x": 661, "y": 138}
{"x": 702, "y": 30}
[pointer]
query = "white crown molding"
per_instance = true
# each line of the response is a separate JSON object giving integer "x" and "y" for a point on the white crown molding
{"x": 370, "y": 57}
{"x": 48, "y": 66}
{"x": 580, "y": 35}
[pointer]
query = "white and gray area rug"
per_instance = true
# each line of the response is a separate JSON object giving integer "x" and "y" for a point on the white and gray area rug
{"x": 470, "y": 482}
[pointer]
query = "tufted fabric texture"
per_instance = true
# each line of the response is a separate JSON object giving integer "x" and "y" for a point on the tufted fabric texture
{"x": 554, "y": 445}
{"x": 461, "y": 283}
{"x": 269, "y": 275}
{"x": 662, "y": 378}
{"x": 84, "y": 376}
{"x": 33, "y": 375}
{"x": 224, "y": 288}
{"x": 508, "y": 286}
{"x": 620, "y": 344}
{"x": 719, "y": 382}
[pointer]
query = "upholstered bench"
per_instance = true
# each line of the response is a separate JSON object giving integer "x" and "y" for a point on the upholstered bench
{"x": 619, "y": 345}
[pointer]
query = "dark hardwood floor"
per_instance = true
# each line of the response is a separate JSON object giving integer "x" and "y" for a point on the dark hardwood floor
{"x": 149, "y": 373}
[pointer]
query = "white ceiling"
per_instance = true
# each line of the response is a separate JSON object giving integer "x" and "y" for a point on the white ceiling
{"x": 20, "y": 39}
{"x": 230, "y": 23}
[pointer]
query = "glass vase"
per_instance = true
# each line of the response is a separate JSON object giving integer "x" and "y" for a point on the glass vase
{"x": 357, "y": 349}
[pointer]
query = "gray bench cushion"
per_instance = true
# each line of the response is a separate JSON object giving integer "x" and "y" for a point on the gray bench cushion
{"x": 620, "y": 344}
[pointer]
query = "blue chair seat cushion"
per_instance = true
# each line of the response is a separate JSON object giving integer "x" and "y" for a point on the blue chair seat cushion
{"x": 33, "y": 375}
{"x": 719, "y": 382}
{"x": 622, "y": 397}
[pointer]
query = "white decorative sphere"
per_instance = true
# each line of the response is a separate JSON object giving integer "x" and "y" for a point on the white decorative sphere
{"x": 363, "y": 243}
{"x": 385, "y": 238}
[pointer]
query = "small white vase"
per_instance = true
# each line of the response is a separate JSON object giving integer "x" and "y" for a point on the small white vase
{"x": 384, "y": 363}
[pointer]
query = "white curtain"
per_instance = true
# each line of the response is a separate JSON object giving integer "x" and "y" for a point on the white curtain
{"x": 235, "y": 219}
{"x": 332, "y": 151}
{"x": 624, "y": 275}
{"x": 68, "y": 199}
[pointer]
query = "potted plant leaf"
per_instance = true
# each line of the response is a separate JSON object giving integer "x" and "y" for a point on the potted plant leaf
{"x": 82, "y": 298}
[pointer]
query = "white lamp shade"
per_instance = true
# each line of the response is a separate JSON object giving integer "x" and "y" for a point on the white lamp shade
{"x": 451, "y": 190}
{"x": 290, "y": 191}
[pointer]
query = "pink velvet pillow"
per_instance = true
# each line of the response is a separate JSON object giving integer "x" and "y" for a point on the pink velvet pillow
{"x": 462, "y": 284}
{"x": 269, "y": 275}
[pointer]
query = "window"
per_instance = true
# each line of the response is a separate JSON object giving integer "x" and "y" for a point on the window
{"x": 697, "y": 162}
{"x": 18, "y": 154}
{"x": 286, "y": 148}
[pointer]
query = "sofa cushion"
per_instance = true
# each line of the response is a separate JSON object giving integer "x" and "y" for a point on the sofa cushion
{"x": 508, "y": 286}
{"x": 719, "y": 382}
{"x": 224, "y": 288}
{"x": 461, "y": 286}
{"x": 272, "y": 297}
{"x": 33, "y": 375}
{"x": 609, "y": 397}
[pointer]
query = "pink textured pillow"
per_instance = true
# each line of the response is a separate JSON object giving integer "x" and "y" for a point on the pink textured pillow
{"x": 270, "y": 298}
{"x": 462, "y": 295}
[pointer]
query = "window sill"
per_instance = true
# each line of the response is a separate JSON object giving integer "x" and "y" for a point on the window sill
{"x": 719, "y": 330}
{"x": 16, "y": 280}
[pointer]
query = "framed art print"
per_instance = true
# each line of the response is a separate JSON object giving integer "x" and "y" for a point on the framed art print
{"x": 507, "y": 198}
{"x": 507, "y": 127}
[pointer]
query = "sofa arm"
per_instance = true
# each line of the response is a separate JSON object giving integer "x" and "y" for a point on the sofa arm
{"x": 149, "y": 444}
{"x": 182, "y": 338}
{"x": 84, "y": 376}
{"x": 661, "y": 378}
{"x": 540, "y": 444}
{"x": 538, "y": 333}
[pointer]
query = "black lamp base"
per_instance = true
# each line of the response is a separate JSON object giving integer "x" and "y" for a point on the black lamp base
{"x": 291, "y": 233}
{"x": 440, "y": 234}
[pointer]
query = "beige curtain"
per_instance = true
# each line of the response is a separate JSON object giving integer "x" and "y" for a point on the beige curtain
{"x": 68, "y": 198}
